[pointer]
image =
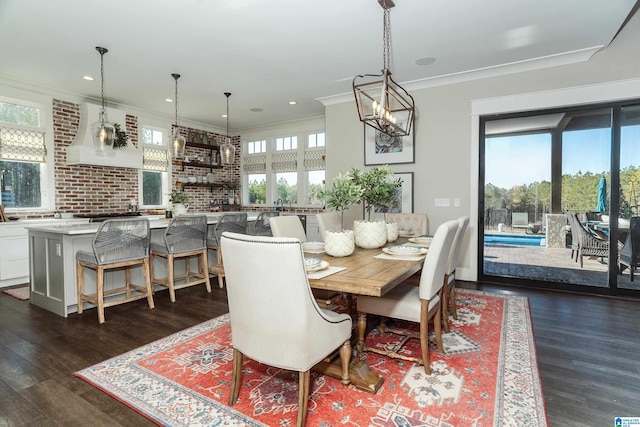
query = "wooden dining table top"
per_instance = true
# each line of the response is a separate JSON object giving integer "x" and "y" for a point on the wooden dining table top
{"x": 364, "y": 274}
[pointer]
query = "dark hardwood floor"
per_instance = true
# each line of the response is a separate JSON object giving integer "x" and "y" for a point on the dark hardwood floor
{"x": 588, "y": 349}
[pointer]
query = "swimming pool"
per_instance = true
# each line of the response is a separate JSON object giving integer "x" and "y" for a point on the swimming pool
{"x": 515, "y": 240}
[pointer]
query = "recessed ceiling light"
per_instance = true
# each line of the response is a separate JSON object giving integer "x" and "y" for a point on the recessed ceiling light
{"x": 256, "y": 109}
{"x": 292, "y": 102}
{"x": 425, "y": 61}
{"x": 168, "y": 100}
{"x": 89, "y": 78}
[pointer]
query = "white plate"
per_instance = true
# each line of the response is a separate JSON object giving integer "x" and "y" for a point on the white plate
{"x": 312, "y": 262}
{"x": 313, "y": 246}
{"x": 424, "y": 241}
{"x": 404, "y": 250}
{"x": 405, "y": 233}
{"x": 323, "y": 265}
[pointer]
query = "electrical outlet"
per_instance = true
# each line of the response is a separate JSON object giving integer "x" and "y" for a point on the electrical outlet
{"x": 443, "y": 203}
{"x": 456, "y": 202}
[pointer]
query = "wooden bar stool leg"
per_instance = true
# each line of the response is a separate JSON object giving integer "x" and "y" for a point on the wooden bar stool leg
{"x": 203, "y": 268}
{"x": 172, "y": 291}
{"x": 147, "y": 282}
{"x": 100, "y": 293}
{"x": 80, "y": 284}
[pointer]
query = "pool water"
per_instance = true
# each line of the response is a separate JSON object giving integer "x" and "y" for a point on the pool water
{"x": 515, "y": 240}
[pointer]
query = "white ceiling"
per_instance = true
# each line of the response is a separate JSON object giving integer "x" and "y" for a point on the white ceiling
{"x": 268, "y": 53}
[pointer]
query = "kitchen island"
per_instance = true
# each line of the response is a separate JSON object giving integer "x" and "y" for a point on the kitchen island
{"x": 52, "y": 267}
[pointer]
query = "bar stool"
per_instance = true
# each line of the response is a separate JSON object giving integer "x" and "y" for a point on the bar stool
{"x": 185, "y": 237}
{"x": 262, "y": 226}
{"x": 236, "y": 223}
{"x": 118, "y": 244}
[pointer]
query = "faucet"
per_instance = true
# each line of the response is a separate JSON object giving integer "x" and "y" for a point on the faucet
{"x": 279, "y": 205}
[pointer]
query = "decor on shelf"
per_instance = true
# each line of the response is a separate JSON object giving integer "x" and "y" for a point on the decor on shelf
{"x": 231, "y": 187}
{"x": 102, "y": 131}
{"x": 178, "y": 142}
{"x": 380, "y": 148}
{"x": 121, "y": 137}
{"x": 180, "y": 201}
{"x": 227, "y": 150}
{"x": 344, "y": 193}
{"x": 382, "y": 103}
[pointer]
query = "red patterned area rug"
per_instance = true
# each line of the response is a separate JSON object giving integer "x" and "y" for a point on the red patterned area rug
{"x": 22, "y": 293}
{"x": 487, "y": 377}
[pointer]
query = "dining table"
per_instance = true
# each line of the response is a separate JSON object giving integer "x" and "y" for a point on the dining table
{"x": 364, "y": 272}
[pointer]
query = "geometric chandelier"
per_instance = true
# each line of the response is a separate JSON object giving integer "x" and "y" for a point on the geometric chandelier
{"x": 382, "y": 103}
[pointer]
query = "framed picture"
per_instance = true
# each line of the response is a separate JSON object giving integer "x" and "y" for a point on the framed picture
{"x": 403, "y": 201}
{"x": 380, "y": 149}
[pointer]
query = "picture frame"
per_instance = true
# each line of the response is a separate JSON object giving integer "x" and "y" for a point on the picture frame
{"x": 380, "y": 149}
{"x": 403, "y": 202}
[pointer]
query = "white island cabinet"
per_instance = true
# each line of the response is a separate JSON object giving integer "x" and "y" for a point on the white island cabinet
{"x": 14, "y": 250}
{"x": 52, "y": 251}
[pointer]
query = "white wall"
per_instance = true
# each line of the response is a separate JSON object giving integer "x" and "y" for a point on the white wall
{"x": 446, "y": 163}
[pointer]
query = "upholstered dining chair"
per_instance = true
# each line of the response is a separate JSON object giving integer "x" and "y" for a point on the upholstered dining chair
{"x": 118, "y": 244}
{"x": 629, "y": 255}
{"x": 184, "y": 238}
{"x": 285, "y": 329}
{"x": 415, "y": 304}
{"x": 329, "y": 221}
{"x": 288, "y": 226}
{"x": 262, "y": 225}
{"x": 234, "y": 222}
{"x": 416, "y": 222}
{"x": 449, "y": 287}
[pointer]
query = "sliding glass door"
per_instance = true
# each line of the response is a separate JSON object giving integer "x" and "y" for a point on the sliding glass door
{"x": 537, "y": 170}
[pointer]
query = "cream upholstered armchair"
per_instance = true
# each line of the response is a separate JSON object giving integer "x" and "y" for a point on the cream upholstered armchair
{"x": 329, "y": 221}
{"x": 449, "y": 287}
{"x": 287, "y": 226}
{"x": 285, "y": 329}
{"x": 415, "y": 304}
{"x": 416, "y": 222}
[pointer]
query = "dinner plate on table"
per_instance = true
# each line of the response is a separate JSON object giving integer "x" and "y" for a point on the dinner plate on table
{"x": 315, "y": 264}
{"x": 405, "y": 233}
{"x": 313, "y": 247}
{"x": 423, "y": 241}
{"x": 404, "y": 250}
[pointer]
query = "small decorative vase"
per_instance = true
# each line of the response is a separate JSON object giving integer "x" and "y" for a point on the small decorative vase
{"x": 232, "y": 197}
{"x": 339, "y": 243}
{"x": 392, "y": 231}
{"x": 179, "y": 209}
{"x": 369, "y": 234}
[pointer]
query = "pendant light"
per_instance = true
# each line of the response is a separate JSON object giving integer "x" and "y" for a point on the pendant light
{"x": 382, "y": 103}
{"x": 178, "y": 142}
{"x": 227, "y": 150}
{"x": 103, "y": 132}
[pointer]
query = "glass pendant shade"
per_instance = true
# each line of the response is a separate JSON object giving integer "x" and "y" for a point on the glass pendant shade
{"x": 227, "y": 152}
{"x": 103, "y": 132}
{"x": 382, "y": 103}
{"x": 178, "y": 143}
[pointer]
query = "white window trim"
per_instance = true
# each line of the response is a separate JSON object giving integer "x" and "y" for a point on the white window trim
{"x": 165, "y": 175}
{"x": 45, "y": 105}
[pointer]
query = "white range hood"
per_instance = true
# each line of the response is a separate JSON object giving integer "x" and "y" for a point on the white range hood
{"x": 82, "y": 152}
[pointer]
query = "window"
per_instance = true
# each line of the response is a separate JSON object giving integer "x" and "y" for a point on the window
{"x": 155, "y": 163}
{"x": 23, "y": 155}
{"x": 278, "y": 168}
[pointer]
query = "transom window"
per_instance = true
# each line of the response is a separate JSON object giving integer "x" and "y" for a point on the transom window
{"x": 257, "y": 147}
{"x": 287, "y": 143}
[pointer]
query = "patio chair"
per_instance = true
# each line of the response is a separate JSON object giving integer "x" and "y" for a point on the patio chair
{"x": 520, "y": 220}
{"x": 629, "y": 256}
{"x": 589, "y": 244}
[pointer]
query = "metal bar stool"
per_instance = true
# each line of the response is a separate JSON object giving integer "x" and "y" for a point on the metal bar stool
{"x": 236, "y": 223}
{"x": 185, "y": 237}
{"x": 118, "y": 244}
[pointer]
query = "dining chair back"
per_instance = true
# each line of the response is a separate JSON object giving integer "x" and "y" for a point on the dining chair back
{"x": 630, "y": 253}
{"x": 329, "y": 221}
{"x": 262, "y": 225}
{"x": 416, "y": 223}
{"x": 287, "y": 226}
{"x": 449, "y": 290}
{"x": 184, "y": 238}
{"x": 285, "y": 329}
{"x": 415, "y": 304}
{"x": 233, "y": 222}
{"x": 118, "y": 243}
{"x": 588, "y": 244}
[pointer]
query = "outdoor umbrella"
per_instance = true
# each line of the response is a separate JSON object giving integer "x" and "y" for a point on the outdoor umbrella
{"x": 602, "y": 195}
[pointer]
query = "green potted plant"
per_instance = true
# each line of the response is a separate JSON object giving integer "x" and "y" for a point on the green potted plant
{"x": 344, "y": 193}
{"x": 378, "y": 190}
{"x": 231, "y": 187}
{"x": 180, "y": 201}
